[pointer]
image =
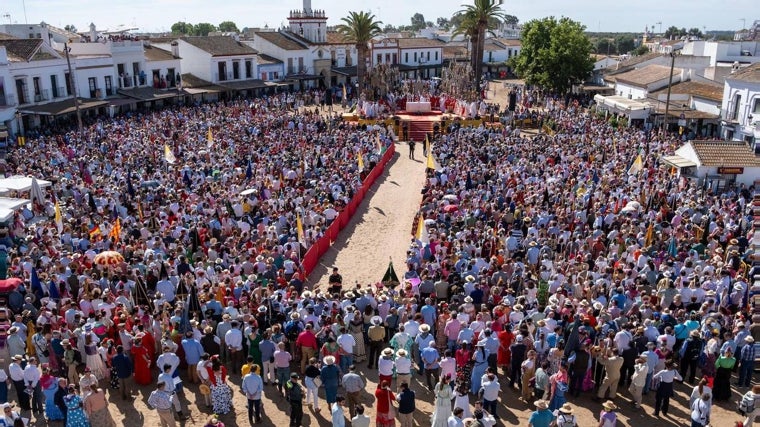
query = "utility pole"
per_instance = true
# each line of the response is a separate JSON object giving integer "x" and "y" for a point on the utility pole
{"x": 66, "y": 49}
{"x": 670, "y": 83}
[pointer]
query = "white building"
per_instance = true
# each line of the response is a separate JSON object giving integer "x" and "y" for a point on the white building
{"x": 716, "y": 164}
{"x": 7, "y": 90}
{"x": 741, "y": 106}
{"x": 638, "y": 83}
{"x": 415, "y": 57}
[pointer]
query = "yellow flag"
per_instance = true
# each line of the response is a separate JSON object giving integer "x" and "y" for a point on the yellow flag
{"x": 139, "y": 210}
{"x": 209, "y": 138}
{"x": 115, "y": 231}
{"x": 420, "y": 227}
{"x": 637, "y": 166}
{"x": 430, "y": 161}
{"x": 58, "y": 218}
{"x": 345, "y": 97}
{"x": 299, "y": 229}
{"x": 650, "y": 235}
{"x": 169, "y": 155}
{"x": 361, "y": 162}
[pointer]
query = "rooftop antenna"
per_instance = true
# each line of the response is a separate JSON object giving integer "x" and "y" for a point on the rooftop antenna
{"x": 744, "y": 22}
{"x": 8, "y": 16}
{"x": 659, "y": 25}
{"x": 23, "y": 3}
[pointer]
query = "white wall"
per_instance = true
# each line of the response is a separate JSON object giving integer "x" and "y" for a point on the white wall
{"x": 423, "y": 54}
{"x": 195, "y": 61}
{"x": 750, "y": 92}
{"x": 630, "y": 91}
{"x": 42, "y": 69}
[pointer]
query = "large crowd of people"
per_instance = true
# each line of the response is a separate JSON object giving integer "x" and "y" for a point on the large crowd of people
{"x": 548, "y": 267}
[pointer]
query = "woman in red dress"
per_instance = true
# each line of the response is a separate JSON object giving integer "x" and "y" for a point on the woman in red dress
{"x": 141, "y": 360}
{"x": 386, "y": 416}
{"x": 506, "y": 337}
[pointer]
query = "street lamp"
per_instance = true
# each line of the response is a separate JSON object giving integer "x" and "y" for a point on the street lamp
{"x": 673, "y": 55}
{"x": 66, "y": 50}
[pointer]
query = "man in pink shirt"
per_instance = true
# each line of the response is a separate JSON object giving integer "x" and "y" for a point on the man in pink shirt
{"x": 307, "y": 342}
{"x": 452, "y": 331}
{"x": 282, "y": 366}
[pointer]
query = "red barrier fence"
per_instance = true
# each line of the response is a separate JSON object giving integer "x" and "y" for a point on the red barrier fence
{"x": 320, "y": 247}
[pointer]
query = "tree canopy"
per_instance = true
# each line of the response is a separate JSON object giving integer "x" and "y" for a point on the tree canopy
{"x": 555, "y": 54}
{"x": 200, "y": 29}
{"x": 183, "y": 28}
{"x": 360, "y": 27}
{"x": 418, "y": 22}
{"x": 476, "y": 20}
{"x": 228, "y": 27}
{"x": 71, "y": 28}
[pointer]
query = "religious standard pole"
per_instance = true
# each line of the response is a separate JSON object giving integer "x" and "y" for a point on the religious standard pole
{"x": 73, "y": 89}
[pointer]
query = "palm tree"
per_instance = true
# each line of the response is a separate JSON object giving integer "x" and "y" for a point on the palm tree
{"x": 360, "y": 27}
{"x": 477, "y": 19}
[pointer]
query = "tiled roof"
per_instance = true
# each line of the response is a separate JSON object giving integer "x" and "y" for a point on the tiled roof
{"x": 281, "y": 40}
{"x": 748, "y": 74}
{"x": 418, "y": 43}
{"x": 266, "y": 59}
{"x": 725, "y": 153}
{"x": 335, "y": 37}
{"x": 191, "y": 80}
{"x": 4, "y": 36}
{"x": 450, "y": 52}
{"x": 220, "y": 45}
{"x": 636, "y": 60}
{"x": 153, "y": 53}
{"x": 21, "y": 49}
{"x": 646, "y": 75}
{"x": 711, "y": 91}
{"x": 510, "y": 42}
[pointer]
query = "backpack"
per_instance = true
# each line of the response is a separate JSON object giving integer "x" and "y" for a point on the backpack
{"x": 564, "y": 421}
{"x": 78, "y": 357}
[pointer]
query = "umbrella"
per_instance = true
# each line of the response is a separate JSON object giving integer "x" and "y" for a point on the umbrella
{"x": 450, "y": 208}
{"x": 36, "y": 192}
{"x": 10, "y": 285}
{"x": 390, "y": 278}
{"x": 414, "y": 281}
{"x": 450, "y": 197}
{"x": 248, "y": 191}
{"x": 109, "y": 258}
{"x": 429, "y": 222}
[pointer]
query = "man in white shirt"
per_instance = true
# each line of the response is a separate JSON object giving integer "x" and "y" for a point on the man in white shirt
{"x": 403, "y": 367}
{"x": 252, "y": 387}
{"x": 16, "y": 372}
{"x": 202, "y": 368}
{"x": 490, "y": 387}
{"x": 347, "y": 344}
{"x": 455, "y": 420}
{"x": 233, "y": 339}
{"x": 166, "y": 378}
{"x": 32, "y": 381}
{"x": 360, "y": 420}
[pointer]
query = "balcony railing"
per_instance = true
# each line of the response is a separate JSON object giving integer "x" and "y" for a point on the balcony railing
{"x": 60, "y": 92}
{"x": 7, "y": 100}
{"x": 221, "y": 77}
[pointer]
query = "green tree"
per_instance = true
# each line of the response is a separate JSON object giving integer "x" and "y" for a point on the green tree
{"x": 511, "y": 20}
{"x": 418, "y": 22}
{"x": 183, "y": 28}
{"x": 641, "y": 50}
{"x": 624, "y": 44}
{"x": 456, "y": 20}
{"x": 203, "y": 28}
{"x": 605, "y": 46}
{"x": 70, "y": 28}
{"x": 479, "y": 18}
{"x": 695, "y": 32}
{"x": 389, "y": 28}
{"x": 555, "y": 54}
{"x": 360, "y": 27}
{"x": 228, "y": 27}
{"x": 443, "y": 23}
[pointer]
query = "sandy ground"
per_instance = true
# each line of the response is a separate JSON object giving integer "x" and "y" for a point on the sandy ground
{"x": 381, "y": 229}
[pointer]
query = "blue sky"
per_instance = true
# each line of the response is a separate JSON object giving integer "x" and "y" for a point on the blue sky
{"x": 159, "y": 15}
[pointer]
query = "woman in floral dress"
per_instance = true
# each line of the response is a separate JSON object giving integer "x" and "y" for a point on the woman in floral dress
{"x": 107, "y": 351}
{"x": 221, "y": 393}
{"x": 356, "y": 329}
{"x": 75, "y": 416}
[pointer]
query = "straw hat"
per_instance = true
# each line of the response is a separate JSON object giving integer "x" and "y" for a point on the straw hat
{"x": 204, "y": 389}
{"x": 306, "y": 294}
{"x": 376, "y": 320}
{"x": 329, "y": 360}
{"x": 262, "y": 309}
{"x": 388, "y": 352}
{"x": 749, "y": 339}
{"x": 609, "y": 406}
{"x": 424, "y": 328}
{"x": 541, "y": 404}
{"x": 470, "y": 278}
{"x": 294, "y": 315}
{"x": 468, "y": 299}
{"x": 694, "y": 333}
{"x": 400, "y": 353}
{"x": 567, "y": 409}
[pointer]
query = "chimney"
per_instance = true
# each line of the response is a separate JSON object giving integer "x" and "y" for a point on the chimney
{"x": 175, "y": 49}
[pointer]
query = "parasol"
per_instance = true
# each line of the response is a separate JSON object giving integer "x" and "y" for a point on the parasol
{"x": 450, "y": 208}
{"x": 248, "y": 191}
{"x": 10, "y": 285}
{"x": 450, "y": 197}
{"x": 109, "y": 258}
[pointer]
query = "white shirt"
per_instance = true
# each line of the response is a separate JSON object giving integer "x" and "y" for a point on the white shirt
{"x": 347, "y": 343}
{"x": 16, "y": 372}
{"x": 385, "y": 366}
{"x": 234, "y": 338}
{"x": 202, "y": 371}
{"x": 32, "y": 375}
{"x": 404, "y": 365}
{"x": 448, "y": 367}
{"x": 360, "y": 421}
{"x": 168, "y": 359}
{"x": 491, "y": 388}
{"x": 455, "y": 421}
